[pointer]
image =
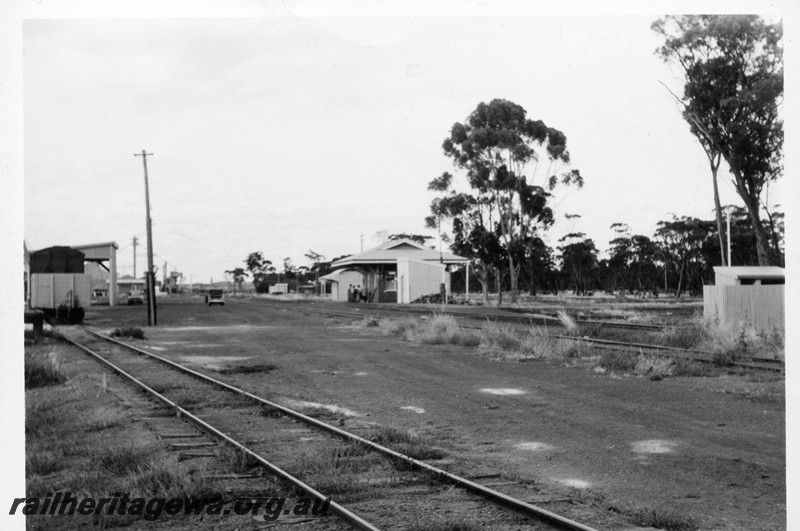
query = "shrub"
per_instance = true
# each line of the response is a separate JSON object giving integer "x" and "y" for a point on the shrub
{"x": 130, "y": 331}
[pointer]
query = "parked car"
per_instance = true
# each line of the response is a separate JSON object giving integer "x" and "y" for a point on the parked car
{"x": 215, "y": 296}
{"x": 135, "y": 297}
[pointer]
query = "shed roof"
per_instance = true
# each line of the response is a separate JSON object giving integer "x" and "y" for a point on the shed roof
{"x": 747, "y": 272}
{"x": 389, "y": 252}
{"x": 334, "y": 275}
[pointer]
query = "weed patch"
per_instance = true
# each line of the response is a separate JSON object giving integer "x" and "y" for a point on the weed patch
{"x": 130, "y": 331}
{"x": 408, "y": 444}
{"x": 669, "y": 520}
{"x": 613, "y": 360}
{"x": 123, "y": 460}
{"x": 236, "y": 460}
{"x": 43, "y": 372}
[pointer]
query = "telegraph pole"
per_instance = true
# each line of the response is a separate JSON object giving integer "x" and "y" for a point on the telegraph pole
{"x": 151, "y": 280}
{"x": 135, "y": 243}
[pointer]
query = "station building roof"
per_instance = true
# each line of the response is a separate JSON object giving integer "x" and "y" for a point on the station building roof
{"x": 393, "y": 250}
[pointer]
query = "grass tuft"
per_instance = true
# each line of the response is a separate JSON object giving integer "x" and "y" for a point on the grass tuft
{"x": 408, "y": 444}
{"x": 130, "y": 331}
{"x": 617, "y": 361}
{"x": 43, "y": 372}
{"x": 123, "y": 460}
{"x": 669, "y": 520}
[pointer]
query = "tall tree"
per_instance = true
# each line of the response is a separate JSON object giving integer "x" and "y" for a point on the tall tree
{"x": 238, "y": 275}
{"x": 500, "y": 149}
{"x": 474, "y": 234}
{"x": 259, "y": 268}
{"x": 684, "y": 242}
{"x": 579, "y": 259}
{"x": 733, "y": 65}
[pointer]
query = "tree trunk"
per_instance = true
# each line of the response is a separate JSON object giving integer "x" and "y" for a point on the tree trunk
{"x": 680, "y": 281}
{"x": 482, "y": 274}
{"x": 499, "y": 284}
{"x": 762, "y": 238}
{"x": 718, "y": 209}
{"x": 751, "y": 202}
{"x": 513, "y": 273}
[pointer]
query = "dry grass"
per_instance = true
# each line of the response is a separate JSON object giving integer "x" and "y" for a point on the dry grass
{"x": 340, "y": 471}
{"x": 438, "y": 329}
{"x": 669, "y": 520}
{"x": 43, "y": 371}
{"x": 415, "y": 446}
{"x": 726, "y": 342}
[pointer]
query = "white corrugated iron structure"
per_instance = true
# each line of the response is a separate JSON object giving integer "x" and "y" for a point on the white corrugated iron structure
{"x": 394, "y": 271}
{"x": 747, "y": 294}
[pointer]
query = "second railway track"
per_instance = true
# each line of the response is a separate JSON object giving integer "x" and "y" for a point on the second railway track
{"x": 321, "y": 459}
{"x": 690, "y": 354}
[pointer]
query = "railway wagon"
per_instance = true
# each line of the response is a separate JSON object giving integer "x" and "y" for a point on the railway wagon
{"x": 59, "y": 286}
{"x": 61, "y": 295}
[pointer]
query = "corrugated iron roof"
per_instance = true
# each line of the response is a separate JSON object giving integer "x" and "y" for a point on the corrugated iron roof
{"x": 751, "y": 272}
{"x": 389, "y": 252}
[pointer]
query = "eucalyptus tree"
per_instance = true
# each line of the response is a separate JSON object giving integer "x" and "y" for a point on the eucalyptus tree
{"x": 578, "y": 260}
{"x": 683, "y": 241}
{"x": 238, "y": 274}
{"x": 259, "y": 268}
{"x": 501, "y": 151}
{"x": 733, "y": 68}
{"x": 473, "y": 226}
{"x": 631, "y": 260}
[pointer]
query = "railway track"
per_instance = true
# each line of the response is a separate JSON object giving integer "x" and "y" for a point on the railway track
{"x": 701, "y": 356}
{"x": 524, "y": 318}
{"x": 240, "y": 419}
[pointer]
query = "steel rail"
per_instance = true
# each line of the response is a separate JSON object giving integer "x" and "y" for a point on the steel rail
{"x": 491, "y": 494}
{"x": 539, "y": 319}
{"x": 702, "y": 356}
{"x": 348, "y": 516}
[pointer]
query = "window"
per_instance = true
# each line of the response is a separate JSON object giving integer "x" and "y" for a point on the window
{"x": 390, "y": 278}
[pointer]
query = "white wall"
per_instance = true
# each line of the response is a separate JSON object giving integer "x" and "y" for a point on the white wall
{"x": 342, "y": 283}
{"x": 416, "y": 278}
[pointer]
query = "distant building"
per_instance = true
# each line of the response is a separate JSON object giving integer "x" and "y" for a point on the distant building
{"x": 395, "y": 271}
{"x": 747, "y": 294}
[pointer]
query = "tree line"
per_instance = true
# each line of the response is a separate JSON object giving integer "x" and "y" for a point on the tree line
{"x": 677, "y": 259}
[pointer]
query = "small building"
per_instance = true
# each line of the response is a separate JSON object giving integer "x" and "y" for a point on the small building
{"x": 395, "y": 271}
{"x": 751, "y": 295}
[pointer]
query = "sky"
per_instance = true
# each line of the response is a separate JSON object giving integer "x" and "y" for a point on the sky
{"x": 294, "y": 134}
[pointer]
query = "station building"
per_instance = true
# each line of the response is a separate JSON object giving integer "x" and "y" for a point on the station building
{"x": 398, "y": 271}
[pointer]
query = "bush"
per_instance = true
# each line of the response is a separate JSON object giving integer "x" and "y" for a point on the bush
{"x": 130, "y": 331}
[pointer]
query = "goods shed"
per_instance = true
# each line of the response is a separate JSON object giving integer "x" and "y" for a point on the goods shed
{"x": 747, "y": 294}
{"x": 394, "y": 271}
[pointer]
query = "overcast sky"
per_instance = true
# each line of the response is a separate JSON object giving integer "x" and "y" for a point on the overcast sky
{"x": 285, "y": 135}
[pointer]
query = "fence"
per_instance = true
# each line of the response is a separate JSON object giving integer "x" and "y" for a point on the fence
{"x": 761, "y": 306}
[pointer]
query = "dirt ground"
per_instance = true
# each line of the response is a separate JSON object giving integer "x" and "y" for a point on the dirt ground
{"x": 709, "y": 447}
